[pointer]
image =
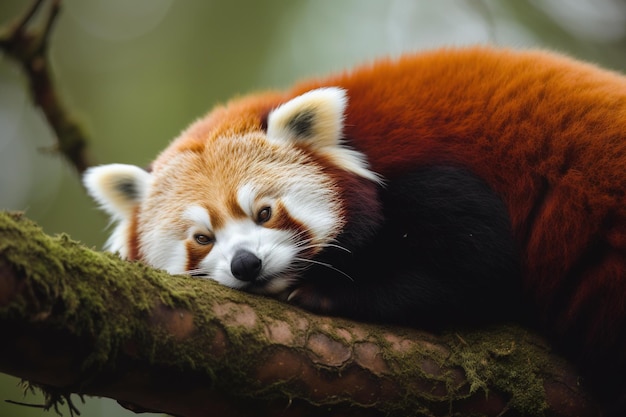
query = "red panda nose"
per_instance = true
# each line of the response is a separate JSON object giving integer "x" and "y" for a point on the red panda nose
{"x": 245, "y": 265}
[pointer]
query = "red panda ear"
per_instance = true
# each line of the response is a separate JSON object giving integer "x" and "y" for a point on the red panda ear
{"x": 314, "y": 118}
{"x": 118, "y": 188}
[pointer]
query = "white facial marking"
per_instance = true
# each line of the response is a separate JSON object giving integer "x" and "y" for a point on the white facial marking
{"x": 315, "y": 207}
{"x": 199, "y": 216}
{"x": 246, "y": 198}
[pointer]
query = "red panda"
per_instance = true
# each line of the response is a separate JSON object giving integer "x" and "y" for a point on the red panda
{"x": 445, "y": 187}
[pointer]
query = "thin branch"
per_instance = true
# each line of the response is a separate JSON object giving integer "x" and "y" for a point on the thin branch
{"x": 51, "y": 19}
{"x": 29, "y": 49}
{"x": 20, "y": 26}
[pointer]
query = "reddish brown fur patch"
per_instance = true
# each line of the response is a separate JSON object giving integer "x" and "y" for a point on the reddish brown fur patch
{"x": 196, "y": 253}
{"x": 231, "y": 210}
{"x": 236, "y": 118}
{"x": 133, "y": 237}
{"x": 281, "y": 219}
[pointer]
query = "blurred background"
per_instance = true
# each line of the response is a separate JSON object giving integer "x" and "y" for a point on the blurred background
{"x": 135, "y": 73}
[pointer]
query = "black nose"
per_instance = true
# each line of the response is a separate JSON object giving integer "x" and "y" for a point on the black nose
{"x": 245, "y": 265}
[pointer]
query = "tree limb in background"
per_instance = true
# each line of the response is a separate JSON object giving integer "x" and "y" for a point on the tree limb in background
{"x": 29, "y": 48}
{"x": 77, "y": 321}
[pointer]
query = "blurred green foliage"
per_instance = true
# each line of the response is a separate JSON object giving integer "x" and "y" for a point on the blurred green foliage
{"x": 137, "y": 72}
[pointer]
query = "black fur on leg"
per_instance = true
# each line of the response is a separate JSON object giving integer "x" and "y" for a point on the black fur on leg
{"x": 444, "y": 255}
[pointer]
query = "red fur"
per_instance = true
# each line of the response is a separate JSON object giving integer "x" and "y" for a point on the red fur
{"x": 546, "y": 132}
{"x": 133, "y": 240}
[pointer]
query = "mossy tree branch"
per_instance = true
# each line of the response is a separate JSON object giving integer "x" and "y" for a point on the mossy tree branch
{"x": 29, "y": 49}
{"x": 77, "y": 321}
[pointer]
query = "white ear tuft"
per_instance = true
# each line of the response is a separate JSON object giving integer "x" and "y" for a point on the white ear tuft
{"x": 118, "y": 188}
{"x": 314, "y": 118}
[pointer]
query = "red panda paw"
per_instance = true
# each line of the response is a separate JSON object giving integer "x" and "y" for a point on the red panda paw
{"x": 309, "y": 298}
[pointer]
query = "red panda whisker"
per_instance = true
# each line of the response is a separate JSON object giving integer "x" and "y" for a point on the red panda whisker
{"x": 298, "y": 238}
{"x": 324, "y": 264}
{"x": 296, "y": 267}
{"x": 306, "y": 243}
{"x": 337, "y": 246}
{"x": 325, "y": 245}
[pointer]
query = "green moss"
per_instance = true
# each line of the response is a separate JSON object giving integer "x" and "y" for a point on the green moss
{"x": 62, "y": 286}
{"x": 502, "y": 358}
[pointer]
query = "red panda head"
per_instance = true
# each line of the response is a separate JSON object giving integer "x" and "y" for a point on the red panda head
{"x": 247, "y": 209}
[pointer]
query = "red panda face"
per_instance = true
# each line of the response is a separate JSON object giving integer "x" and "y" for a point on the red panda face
{"x": 244, "y": 195}
{"x": 247, "y": 210}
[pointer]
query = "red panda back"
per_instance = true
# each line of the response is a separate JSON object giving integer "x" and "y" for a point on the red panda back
{"x": 548, "y": 134}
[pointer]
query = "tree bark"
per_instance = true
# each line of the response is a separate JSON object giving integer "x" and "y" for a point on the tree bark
{"x": 77, "y": 321}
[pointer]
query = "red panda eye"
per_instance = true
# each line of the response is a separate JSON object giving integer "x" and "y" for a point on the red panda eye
{"x": 264, "y": 214}
{"x": 203, "y": 239}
